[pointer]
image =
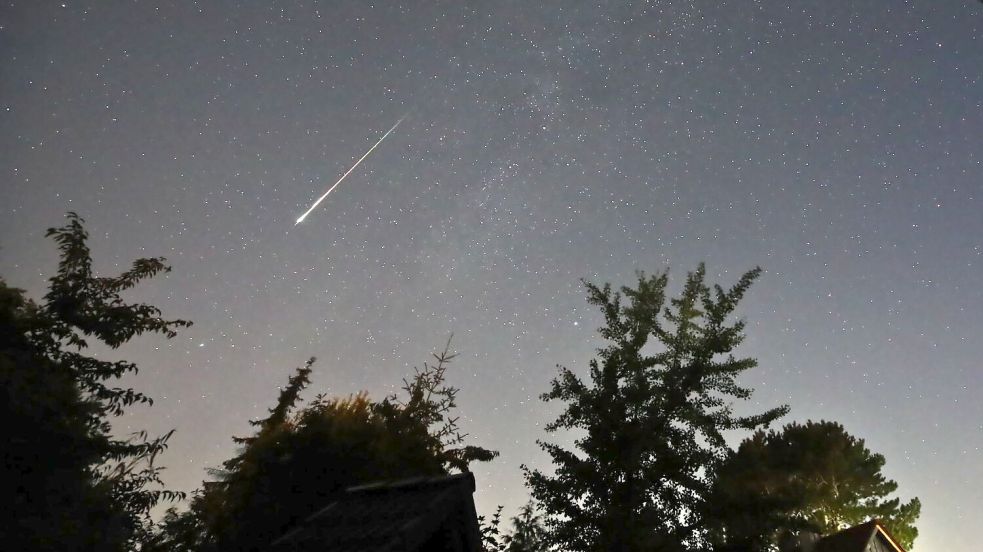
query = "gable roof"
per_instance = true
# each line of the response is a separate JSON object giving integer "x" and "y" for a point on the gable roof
{"x": 856, "y": 539}
{"x": 389, "y": 517}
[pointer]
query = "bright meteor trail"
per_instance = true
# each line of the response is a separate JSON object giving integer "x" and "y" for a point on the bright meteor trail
{"x": 348, "y": 172}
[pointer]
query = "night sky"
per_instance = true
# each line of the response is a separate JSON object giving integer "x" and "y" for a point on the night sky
{"x": 839, "y": 145}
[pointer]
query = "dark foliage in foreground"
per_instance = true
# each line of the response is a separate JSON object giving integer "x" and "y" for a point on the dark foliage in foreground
{"x": 650, "y": 420}
{"x": 298, "y": 461}
{"x": 68, "y": 483}
{"x": 651, "y": 470}
{"x": 527, "y": 532}
{"x": 814, "y": 477}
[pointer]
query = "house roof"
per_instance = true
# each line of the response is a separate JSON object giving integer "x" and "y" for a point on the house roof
{"x": 856, "y": 539}
{"x": 388, "y": 517}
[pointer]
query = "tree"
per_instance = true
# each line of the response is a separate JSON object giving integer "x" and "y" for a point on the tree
{"x": 649, "y": 421}
{"x": 492, "y": 538}
{"x": 527, "y": 535}
{"x": 70, "y": 483}
{"x": 297, "y": 462}
{"x": 814, "y": 477}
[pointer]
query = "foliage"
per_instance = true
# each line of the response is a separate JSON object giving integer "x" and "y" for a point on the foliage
{"x": 527, "y": 535}
{"x": 492, "y": 538}
{"x": 650, "y": 421}
{"x": 71, "y": 484}
{"x": 814, "y": 477}
{"x": 298, "y": 461}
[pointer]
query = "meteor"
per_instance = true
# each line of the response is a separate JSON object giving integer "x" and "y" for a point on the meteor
{"x": 348, "y": 172}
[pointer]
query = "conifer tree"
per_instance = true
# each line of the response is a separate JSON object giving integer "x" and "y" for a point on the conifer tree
{"x": 649, "y": 422}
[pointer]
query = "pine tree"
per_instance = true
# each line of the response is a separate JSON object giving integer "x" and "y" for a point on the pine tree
{"x": 73, "y": 485}
{"x": 814, "y": 477}
{"x": 650, "y": 421}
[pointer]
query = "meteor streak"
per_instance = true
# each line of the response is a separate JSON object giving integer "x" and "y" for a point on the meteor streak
{"x": 348, "y": 172}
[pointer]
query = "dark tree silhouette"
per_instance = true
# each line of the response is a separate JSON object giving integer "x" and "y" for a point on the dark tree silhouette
{"x": 814, "y": 477}
{"x": 492, "y": 538}
{"x": 649, "y": 422}
{"x": 527, "y": 533}
{"x": 69, "y": 484}
{"x": 297, "y": 462}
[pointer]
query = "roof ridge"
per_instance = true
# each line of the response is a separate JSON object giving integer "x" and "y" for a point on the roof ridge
{"x": 887, "y": 534}
{"x": 420, "y": 481}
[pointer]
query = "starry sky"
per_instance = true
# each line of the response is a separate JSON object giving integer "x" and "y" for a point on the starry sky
{"x": 838, "y": 145}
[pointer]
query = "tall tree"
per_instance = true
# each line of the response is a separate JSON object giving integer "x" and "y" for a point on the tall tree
{"x": 297, "y": 462}
{"x": 814, "y": 477}
{"x": 69, "y": 483}
{"x": 650, "y": 421}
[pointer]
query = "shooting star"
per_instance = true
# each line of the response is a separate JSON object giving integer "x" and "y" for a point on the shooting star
{"x": 348, "y": 172}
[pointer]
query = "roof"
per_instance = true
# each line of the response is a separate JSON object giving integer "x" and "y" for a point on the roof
{"x": 395, "y": 516}
{"x": 857, "y": 539}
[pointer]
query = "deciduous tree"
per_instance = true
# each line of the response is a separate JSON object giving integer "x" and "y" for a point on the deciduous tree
{"x": 527, "y": 532}
{"x": 649, "y": 421}
{"x": 70, "y": 483}
{"x": 813, "y": 476}
{"x": 298, "y": 461}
